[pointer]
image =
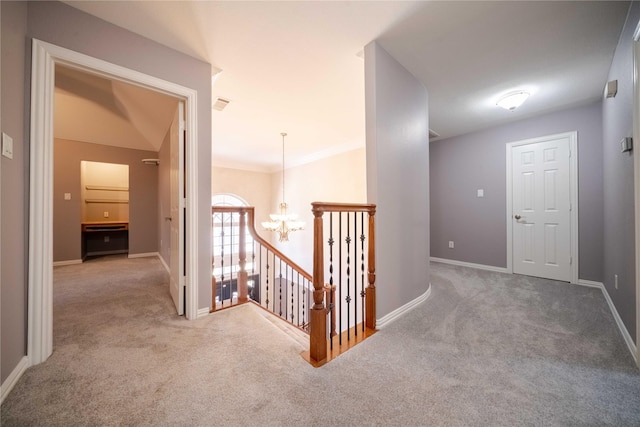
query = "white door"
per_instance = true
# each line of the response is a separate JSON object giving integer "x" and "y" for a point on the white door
{"x": 177, "y": 283}
{"x": 541, "y": 204}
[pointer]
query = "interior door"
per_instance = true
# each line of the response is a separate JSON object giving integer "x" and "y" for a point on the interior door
{"x": 541, "y": 209}
{"x": 177, "y": 283}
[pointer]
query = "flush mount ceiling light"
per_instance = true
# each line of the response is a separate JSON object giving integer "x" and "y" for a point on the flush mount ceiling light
{"x": 513, "y": 100}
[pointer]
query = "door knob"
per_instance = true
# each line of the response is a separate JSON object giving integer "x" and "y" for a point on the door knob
{"x": 167, "y": 218}
{"x": 517, "y": 217}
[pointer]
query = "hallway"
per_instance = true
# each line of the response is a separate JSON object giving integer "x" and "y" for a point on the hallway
{"x": 485, "y": 349}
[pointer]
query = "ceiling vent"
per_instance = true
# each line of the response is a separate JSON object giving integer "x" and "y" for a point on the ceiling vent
{"x": 220, "y": 104}
{"x": 433, "y": 134}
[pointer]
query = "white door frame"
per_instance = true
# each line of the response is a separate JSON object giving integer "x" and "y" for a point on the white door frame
{"x": 45, "y": 56}
{"x": 636, "y": 175}
{"x": 573, "y": 189}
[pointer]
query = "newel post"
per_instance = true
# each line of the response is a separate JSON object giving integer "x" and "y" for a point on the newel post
{"x": 318, "y": 315}
{"x": 371, "y": 288}
{"x": 242, "y": 262}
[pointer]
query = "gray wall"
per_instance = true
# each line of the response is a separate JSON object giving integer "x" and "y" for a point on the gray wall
{"x": 67, "y": 214}
{"x": 397, "y": 178}
{"x": 57, "y": 23}
{"x": 617, "y": 119}
{"x": 462, "y": 165}
{"x": 15, "y": 185}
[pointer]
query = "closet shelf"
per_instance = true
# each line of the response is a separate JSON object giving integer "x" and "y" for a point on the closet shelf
{"x": 106, "y": 201}
{"x": 105, "y": 188}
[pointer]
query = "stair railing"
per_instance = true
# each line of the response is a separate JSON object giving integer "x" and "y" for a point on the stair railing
{"x": 352, "y": 315}
{"x": 258, "y": 272}
{"x": 254, "y": 270}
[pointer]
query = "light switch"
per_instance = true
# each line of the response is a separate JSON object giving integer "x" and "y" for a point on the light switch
{"x": 480, "y": 192}
{"x": 67, "y": 196}
{"x": 7, "y": 146}
{"x": 106, "y": 214}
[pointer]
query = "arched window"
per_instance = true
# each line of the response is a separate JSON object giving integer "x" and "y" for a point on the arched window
{"x": 225, "y": 246}
{"x": 227, "y": 200}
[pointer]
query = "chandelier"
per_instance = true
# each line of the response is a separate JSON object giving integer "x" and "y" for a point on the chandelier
{"x": 282, "y": 222}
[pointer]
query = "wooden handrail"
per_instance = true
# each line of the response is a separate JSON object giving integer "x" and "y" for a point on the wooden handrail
{"x": 343, "y": 207}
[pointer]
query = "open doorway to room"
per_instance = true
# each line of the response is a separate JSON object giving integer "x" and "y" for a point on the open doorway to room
{"x": 109, "y": 194}
{"x": 47, "y": 59}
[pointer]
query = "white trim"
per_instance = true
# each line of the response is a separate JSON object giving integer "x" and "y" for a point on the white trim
{"x": 623, "y": 329}
{"x": 398, "y": 312}
{"x": 573, "y": 184}
{"x": 203, "y": 312}
{"x": 636, "y": 176}
{"x": 67, "y": 262}
{"x": 13, "y": 378}
{"x": 144, "y": 255}
{"x": 590, "y": 283}
{"x": 45, "y": 56}
{"x": 469, "y": 264}
{"x": 166, "y": 267}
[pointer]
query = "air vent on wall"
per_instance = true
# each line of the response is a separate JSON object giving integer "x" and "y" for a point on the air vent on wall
{"x": 220, "y": 104}
{"x": 433, "y": 134}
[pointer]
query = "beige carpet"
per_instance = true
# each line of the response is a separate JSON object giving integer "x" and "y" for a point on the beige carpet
{"x": 485, "y": 349}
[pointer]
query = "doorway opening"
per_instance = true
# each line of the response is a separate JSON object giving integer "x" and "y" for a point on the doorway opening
{"x": 45, "y": 57}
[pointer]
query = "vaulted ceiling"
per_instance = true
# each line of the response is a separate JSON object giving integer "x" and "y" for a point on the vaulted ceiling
{"x": 92, "y": 109}
{"x": 297, "y": 66}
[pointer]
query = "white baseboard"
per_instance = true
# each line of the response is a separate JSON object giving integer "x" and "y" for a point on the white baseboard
{"x": 13, "y": 378}
{"x": 469, "y": 264}
{"x": 67, "y": 262}
{"x": 166, "y": 267}
{"x": 623, "y": 329}
{"x": 202, "y": 312}
{"x": 144, "y": 255}
{"x": 388, "y": 318}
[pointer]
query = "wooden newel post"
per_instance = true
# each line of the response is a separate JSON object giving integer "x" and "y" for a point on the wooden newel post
{"x": 318, "y": 315}
{"x": 242, "y": 262}
{"x": 370, "y": 321}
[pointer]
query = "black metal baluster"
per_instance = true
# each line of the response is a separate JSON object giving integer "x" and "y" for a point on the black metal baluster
{"x": 304, "y": 291}
{"x": 348, "y": 298}
{"x": 280, "y": 290}
{"x": 266, "y": 275}
{"x": 355, "y": 276}
{"x": 330, "y": 302}
{"x": 253, "y": 271}
{"x": 339, "y": 312}
{"x": 362, "y": 292}
{"x": 292, "y": 291}
{"x": 274, "y": 283}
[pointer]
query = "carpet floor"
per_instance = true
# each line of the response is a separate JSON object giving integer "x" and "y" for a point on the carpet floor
{"x": 486, "y": 349}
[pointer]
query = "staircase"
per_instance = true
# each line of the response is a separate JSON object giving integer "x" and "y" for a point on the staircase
{"x": 335, "y": 306}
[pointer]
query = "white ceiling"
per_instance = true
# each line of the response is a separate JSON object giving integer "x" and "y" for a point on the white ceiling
{"x": 294, "y": 66}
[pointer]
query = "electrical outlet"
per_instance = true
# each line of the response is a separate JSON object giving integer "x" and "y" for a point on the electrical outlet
{"x": 106, "y": 214}
{"x": 67, "y": 196}
{"x": 450, "y": 244}
{"x": 615, "y": 280}
{"x": 106, "y": 239}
